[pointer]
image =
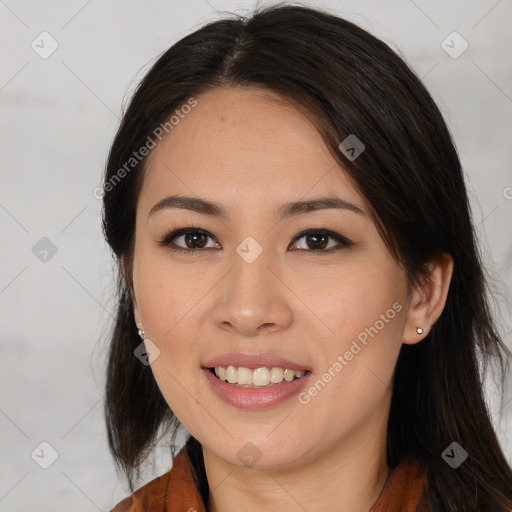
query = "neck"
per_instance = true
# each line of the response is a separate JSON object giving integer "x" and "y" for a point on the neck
{"x": 348, "y": 476}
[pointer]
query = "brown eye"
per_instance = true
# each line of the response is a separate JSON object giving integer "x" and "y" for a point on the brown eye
{"x": 318, "y": 241}
{"x": 195, "y": 240}
{"x": 192, "y": 240}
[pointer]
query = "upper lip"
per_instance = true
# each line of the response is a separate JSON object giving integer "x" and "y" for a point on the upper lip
{"x": 253, "y": 361}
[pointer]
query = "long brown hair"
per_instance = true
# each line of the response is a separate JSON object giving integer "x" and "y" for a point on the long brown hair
{"x": 350, "y": 83}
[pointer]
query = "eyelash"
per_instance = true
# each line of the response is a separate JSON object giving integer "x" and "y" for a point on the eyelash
{"x": 167, "y": 238}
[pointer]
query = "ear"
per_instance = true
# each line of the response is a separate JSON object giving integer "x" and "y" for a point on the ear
{"x": 428, "y": 299}
{"x": 136, "y": 313}
{"x": 124, "y": 272}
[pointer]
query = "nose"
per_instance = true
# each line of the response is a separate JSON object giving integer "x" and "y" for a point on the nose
{"x": 253, "y": 299}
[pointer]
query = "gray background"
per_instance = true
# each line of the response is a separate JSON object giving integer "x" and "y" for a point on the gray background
{"x": 58, "y": 117}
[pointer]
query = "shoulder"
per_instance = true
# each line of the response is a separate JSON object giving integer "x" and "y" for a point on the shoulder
{"x": 171, "y": 492}
{"x": 149, "y": 498}
{"x": 404, "y": 489}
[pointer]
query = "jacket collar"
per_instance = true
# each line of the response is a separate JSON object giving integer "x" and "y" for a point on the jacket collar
{"x": 176, "y": 491}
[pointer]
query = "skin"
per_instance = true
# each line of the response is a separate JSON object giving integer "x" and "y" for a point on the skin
{"x": 242, "y": 148}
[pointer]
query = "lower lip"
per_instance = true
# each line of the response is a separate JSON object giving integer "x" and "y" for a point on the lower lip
{"x": 255, "y": 398}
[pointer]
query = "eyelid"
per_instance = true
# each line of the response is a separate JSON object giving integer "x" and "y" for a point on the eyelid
{"x": 169, "y": 235}
{"x": 342, "y": 240}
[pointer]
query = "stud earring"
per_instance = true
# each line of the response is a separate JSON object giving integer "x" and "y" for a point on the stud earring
{"x": 419, "y": 330}
{"x": 141, "y": 333}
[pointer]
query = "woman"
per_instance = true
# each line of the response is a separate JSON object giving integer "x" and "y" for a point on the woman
{"x": 296, "y": 253}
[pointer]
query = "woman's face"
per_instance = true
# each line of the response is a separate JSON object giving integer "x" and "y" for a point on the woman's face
{"x": 251, "y": 287}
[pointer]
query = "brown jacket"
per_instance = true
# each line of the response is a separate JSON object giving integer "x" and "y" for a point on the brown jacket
{"x": 175, "y": 491}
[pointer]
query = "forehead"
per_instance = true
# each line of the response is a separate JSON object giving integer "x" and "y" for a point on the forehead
{"x": 247, "y": 143}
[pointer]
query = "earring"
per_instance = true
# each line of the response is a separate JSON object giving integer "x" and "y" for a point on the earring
{"x": 419, "y": 330}
{"x": 141, "y": 333}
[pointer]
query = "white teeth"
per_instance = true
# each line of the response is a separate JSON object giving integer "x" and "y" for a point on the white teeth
{"x": 231, "y": 374}
{"x": 276, "y": 375}
{"x": 289, "y": 375}
{"x": 258, "y": 377}
{"x": 244, "y": 376}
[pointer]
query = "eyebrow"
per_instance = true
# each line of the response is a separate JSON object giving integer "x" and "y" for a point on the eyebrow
{"x": 284, "y": 211}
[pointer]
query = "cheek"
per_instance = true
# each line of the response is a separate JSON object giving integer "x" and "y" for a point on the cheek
{"x": 360, "y": 319}
{"x": 166, "y": 293}
{"x": 346, "y": 302}
{"x": 359, "y": 352}
{"x": 169, "y": 301}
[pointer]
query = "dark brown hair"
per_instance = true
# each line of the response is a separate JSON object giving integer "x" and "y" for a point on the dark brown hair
{"x": 349, "y": 82}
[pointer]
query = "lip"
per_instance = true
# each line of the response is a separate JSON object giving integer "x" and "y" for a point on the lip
{"x": 255, "y": 398}
{"x": 253, "y": 361}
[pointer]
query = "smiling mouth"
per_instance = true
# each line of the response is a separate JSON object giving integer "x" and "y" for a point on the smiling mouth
{"x": 256, "y": 378}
